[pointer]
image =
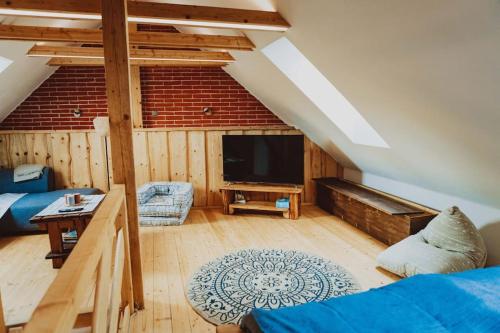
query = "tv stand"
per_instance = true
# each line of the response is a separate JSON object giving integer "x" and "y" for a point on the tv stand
{"x": 294, "y": 191}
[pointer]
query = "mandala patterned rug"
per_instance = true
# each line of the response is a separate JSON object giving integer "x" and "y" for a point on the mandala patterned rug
{"x": 226, "y": 289}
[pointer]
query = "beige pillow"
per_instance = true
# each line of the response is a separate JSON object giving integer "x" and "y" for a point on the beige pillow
{"x": 414, "y": 256}
{"x": 452, "y": 230}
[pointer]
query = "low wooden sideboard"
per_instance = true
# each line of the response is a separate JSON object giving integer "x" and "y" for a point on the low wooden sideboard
{"x": 293, "y": 191}
{"x": 382, "y": 216}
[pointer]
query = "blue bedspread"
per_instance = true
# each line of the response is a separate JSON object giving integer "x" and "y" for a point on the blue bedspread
{"x": 462, "y": 302}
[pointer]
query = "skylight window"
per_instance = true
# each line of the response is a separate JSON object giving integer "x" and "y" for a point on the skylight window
{"x": 284, "y": 55}
{"x": 4, "y": 63}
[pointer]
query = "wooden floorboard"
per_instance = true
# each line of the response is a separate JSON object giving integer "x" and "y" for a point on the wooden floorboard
{"x": 24, "y": 275}
{"x": 170, "y": 256}
{"x": 208, "y": 234}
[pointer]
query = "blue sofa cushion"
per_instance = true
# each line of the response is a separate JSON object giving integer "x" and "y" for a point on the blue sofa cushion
{"x": 43, "y": 184}
{"x": 16, "y": 219}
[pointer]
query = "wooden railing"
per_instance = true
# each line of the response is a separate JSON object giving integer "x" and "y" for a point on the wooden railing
{"x": 3, "y": 329}
{"x": 99, "y": 260}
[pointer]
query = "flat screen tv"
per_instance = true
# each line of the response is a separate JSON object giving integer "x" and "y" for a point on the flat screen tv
{"x": 264, "y": 158}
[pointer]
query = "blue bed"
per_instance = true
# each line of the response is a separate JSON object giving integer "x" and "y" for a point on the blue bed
{"x": 461, "y": 302}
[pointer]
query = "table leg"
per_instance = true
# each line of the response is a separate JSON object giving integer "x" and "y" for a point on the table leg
{"x": 56, "y": 244}
{"x": 227, "y": 199}
{"x": 294, "y": 206}
{"x": 80, "y": 225}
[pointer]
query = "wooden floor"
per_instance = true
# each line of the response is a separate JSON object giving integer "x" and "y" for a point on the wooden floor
{"x": 24, "y": 275}
{"x": 171, "y": 254}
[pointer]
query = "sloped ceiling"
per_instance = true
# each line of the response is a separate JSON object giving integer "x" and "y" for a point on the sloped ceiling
{"x": 425, "y": 74}
{"x": 25, "y": 74}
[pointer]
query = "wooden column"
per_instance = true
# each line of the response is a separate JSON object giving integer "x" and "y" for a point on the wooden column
{"x": 116, "y": 62}
{"x": 135, "y": 75}
{"x": 135, "y": 83}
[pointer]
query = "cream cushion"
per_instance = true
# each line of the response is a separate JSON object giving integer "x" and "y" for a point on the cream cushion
{"x": 449, "y": 243}
{"x": 414, "y": 256}
{"x": 452, "y": 230}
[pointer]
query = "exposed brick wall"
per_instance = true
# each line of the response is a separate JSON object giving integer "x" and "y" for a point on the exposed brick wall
{"x": 51, "y": 105}
{"x": 177, "y": 95}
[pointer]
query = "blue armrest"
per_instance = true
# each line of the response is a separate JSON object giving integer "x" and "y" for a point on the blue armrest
{"x": 44, "y": 184}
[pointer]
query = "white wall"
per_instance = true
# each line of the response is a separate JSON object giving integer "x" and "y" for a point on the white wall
{"x": 22, "y": 77}
{"x": 425, "y": 74}
{"x": 26, "y": 74}
{"x": 486, "y": 219}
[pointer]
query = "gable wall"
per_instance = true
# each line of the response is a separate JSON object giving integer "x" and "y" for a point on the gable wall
{"x": 177, "y": 95}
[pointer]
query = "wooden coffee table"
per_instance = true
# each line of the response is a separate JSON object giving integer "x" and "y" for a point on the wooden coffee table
{"x": 58, "y": 223}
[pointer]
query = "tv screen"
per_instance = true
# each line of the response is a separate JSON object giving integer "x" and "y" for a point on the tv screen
{"x": 264, "y": 158}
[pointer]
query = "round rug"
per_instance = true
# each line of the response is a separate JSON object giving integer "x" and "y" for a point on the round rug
{"x": 226, "y": 289}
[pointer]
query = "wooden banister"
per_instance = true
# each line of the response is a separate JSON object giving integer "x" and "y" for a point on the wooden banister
{"x": 3, "y": 329}
{"x": 101, "y": 249}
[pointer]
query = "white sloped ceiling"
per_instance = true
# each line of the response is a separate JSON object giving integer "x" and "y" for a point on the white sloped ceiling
{"x": 425, "y": 74}
{"x": 25, "y": 74}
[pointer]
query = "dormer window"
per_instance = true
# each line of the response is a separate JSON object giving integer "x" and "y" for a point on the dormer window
{"x": 291, "y": 62}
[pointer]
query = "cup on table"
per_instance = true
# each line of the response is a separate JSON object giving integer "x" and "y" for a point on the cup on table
{"x": 69, "y": 199}
{"x": 78, "y": 198}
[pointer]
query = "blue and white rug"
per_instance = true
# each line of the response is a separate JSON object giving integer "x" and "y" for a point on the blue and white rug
{"x": 226, "y": 289}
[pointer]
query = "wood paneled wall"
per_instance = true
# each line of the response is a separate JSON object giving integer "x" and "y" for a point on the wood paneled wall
{"x": 195, "y": 155}
{"x": 78, "y": 158}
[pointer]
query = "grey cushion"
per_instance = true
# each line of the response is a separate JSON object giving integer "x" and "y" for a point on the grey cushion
{"x": 449, "y": 243}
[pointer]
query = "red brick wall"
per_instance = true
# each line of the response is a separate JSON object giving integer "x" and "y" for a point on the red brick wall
{"x": 177, "y": 95}
{"x": 51, "y": 105}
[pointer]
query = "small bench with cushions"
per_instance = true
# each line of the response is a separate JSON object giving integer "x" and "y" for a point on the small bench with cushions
{"x": 41, "y": 193}
{"x": 449, "y": 243}
{"x": 164, "y": 203}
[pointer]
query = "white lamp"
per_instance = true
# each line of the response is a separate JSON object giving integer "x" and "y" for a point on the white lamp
{"x": 101, "y": 125}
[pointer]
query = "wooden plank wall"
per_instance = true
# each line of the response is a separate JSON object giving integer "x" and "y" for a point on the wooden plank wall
{"x": 195, "y": 155}
{"x": 78, "y": 158}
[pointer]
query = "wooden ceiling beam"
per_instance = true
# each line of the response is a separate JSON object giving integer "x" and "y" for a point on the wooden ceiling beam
{"x": 133, "y": 62}
{"x": 134, "y": 54}
{"x": 94, "y": 36}
{"x": 152, "y": 12}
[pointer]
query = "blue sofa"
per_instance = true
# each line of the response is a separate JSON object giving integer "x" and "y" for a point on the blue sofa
{"x": 41, "y": 193}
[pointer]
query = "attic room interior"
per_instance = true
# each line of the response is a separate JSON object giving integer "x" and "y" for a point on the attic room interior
{"x": 252, "y": 166}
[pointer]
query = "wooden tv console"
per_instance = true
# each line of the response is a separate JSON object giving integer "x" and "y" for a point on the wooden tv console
{"x": 294, "y": 191}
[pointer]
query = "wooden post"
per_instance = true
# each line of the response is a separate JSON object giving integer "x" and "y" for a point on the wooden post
{"x": 135, "y": 74}
{"x": 135, "y": 77}
{"x": 116, "y": 62}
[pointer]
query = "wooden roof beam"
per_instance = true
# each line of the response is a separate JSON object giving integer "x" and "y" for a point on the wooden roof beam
{"x": 134, "y": 54}
{"x": 133, "y": 62}
{"x": 151, "y": 12}
{"x": 94, "y": 36}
